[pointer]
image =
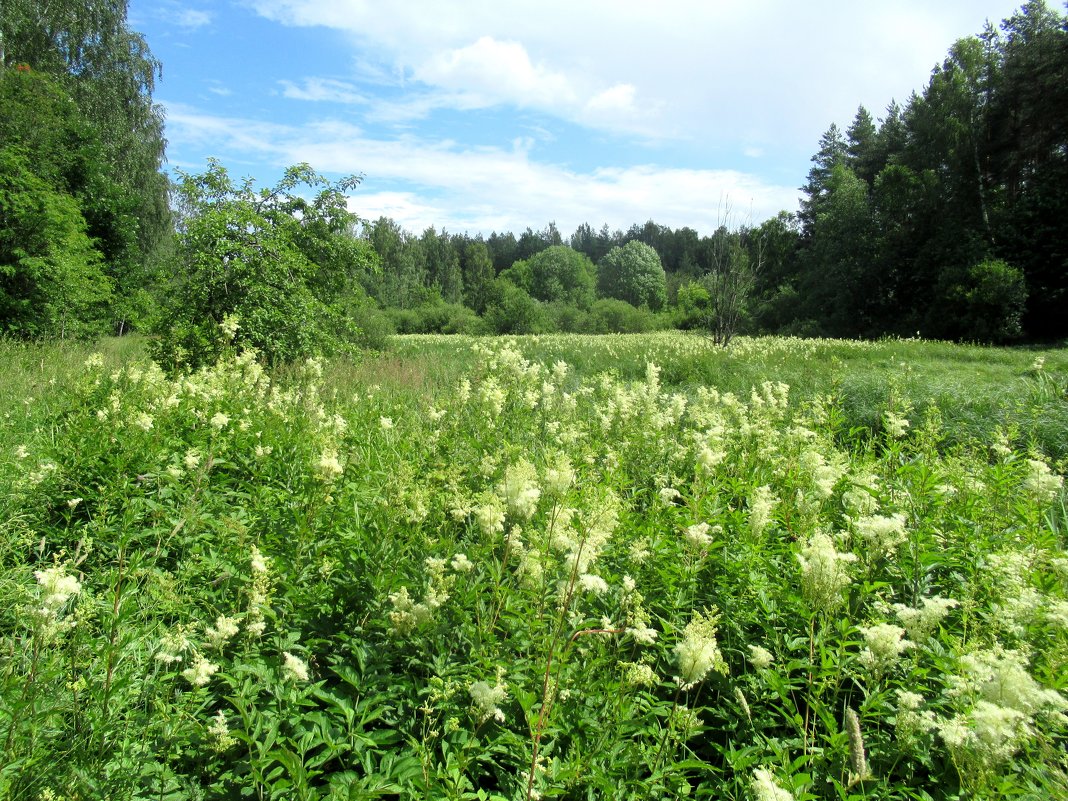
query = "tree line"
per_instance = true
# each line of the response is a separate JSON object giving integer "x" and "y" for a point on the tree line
{"x": 944, "y": 217}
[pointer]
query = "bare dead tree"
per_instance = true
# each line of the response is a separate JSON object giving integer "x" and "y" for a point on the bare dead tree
{"x": 735, "y": 262}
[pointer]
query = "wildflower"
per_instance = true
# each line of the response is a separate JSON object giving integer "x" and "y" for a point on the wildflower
{"x": 72, "y": 503}
{"x": 143, "y": 421}
{"x": 219, "y": 421}
{"x": 560, "y": 476}
{"x": 200, "y": 672}
{"x": 699, "y": 653}
{"x": 921, "y": 622}
{"x": 697, "y": 535}
{"x": 668, "y": 496}
{"x": 1040, "y": 482}
{"x": 229, "y": 327}
{"x": 761, "y": 502}
{"x": 708, "y": 459}
{"x": 328, "y": 465}
{"x": 823, "y": 572}
{"x": 21, "y": 452}
{"x": 220, "y": 733}
{"x": 592, "y": 583}
{"x": 191, "y": 459}
{"x": 56, "y": 587}
{"x": 385, "y": 423}
{"x": 895, "y": 425}
{"x": 882, "y": 534}
{"x": 294, "y": 667}
{"x": 766, "y": 789}
{"x": 885, "y": 643}
{"x": 761, "y": 658}
{"x": 519, "y": 490}
{"x": 638, "y": 674}
{"x": 258, "y": 562}
{"x": 490, "y": 517}
{"x": 487, "y": 700}
{"x": 461, "y": 564}
{"x": 224, "y": 629}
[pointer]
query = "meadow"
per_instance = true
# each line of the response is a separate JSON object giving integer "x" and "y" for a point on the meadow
{"x": 536, "y": 567}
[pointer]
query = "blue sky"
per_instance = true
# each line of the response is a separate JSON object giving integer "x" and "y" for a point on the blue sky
{"x": 491, "y": 116}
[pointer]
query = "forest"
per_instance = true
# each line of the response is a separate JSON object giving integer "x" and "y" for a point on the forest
{"x": 944, "y": 217}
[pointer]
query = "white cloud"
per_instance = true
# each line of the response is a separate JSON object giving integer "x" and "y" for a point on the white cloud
{"x": 191, "y": 18}
{"x": 422, "y": 182}
{"x": 323, "y": 89}
{"x": 716, "y": 73}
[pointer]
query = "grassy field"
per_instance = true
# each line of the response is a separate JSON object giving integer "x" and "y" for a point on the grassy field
{"x": 557, "y": 567}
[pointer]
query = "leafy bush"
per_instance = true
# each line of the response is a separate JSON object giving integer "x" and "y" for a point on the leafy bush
{"x": 610, "y": 316}
{"x": 265, "y": 269}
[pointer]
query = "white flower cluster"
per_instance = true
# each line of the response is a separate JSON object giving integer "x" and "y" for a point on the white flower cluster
{"x": 884, "y": 644}
{"x": 920, "y": 622}
{"x": 487, "y": 700}
{"x": 882, "y": 534}
{"x": 765, "y": 788}
{"x": 519, "y": 490}
{"x": 824, "y": 572}
{"x": 698, "y": 652}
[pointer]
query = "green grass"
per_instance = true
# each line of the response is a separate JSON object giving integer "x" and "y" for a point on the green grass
{"x": 491, "y": 568}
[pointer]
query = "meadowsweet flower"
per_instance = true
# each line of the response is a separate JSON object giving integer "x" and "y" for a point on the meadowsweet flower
{"x": 669, "y": 495}
{"x": 200, "y": 672}
{"x": 490, "y": 517}
{"x": 761, "y": 658}
{"x": 56, "y": 588}
{"x": 143, "y": 421}
{"x": 385, "y": 423}
{"x": 191, "y": 459}
{"x": 699, "y": 653}
{"x": 22, "y": 452}
{"x": 223, "y": 631}
{"x": 709, "y": 458}
{"x": 219, "y": 421}
{"x": 229, "y": 327}
{"x": 697, "y": 535}
{"x": 1040, "y": 482}
{"x": 896, "y": 426}
{"x": 328, "y": 465}
{"x": 921, "y": 622}
{"x": 884, "y": 643}
{"x": 592, "y": 583}
{"x": 881, "y": 534}
{"x": 461, "y": 564}
{"x": 761, "y": 502}
{"x": 172, "y": 645}
{"x": 639, "y": 674}
{"x": 220, "y": 733}
{"x": 560, "y": 476}
{"x": 294, "y": 668}
{"x": 519, "y": 489}
{"x": 766, "y": 789}
{"x": 487, "y": 700}
{"x": 258, "y": 562}
{"x": 823, "y": 572}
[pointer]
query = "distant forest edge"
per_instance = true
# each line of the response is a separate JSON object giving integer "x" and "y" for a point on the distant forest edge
{"x": 947, "y": 217}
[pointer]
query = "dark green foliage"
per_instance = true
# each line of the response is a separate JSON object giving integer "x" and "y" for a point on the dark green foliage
{"x": 633, "y": 273}
{"x": 282, "y": 267}
{"x": 556, "y": 274}
{"x": 513, "y": 311}
{"x": 51, "y": 279}
{"x": 110, "y": 73}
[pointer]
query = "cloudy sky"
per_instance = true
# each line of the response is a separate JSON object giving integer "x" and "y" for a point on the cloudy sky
{"x": 491, "y": 116}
